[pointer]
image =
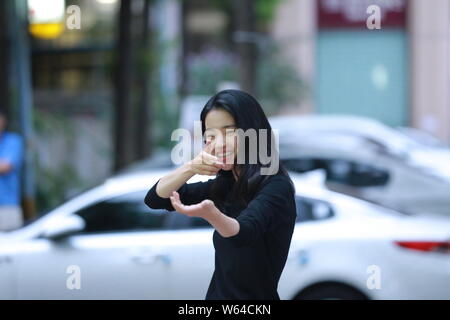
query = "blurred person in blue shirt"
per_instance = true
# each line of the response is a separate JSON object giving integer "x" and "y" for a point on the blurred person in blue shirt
{"x": 11, "y": 154}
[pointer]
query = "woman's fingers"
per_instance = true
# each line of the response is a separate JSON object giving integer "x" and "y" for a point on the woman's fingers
{"x": 194, "y": 210}
{"x": 176, "y": 198}
{"x": 181, "y": 208}
{"x": 218, "y": 165}
{"x": 191, "y": 210}
{"x": 209, "y": 159}
{"x": 213, "y": 164}
{"x": 206, "y": 163}
{"x": 209, "y": 147}
{"x": 206, "y": 169}
{"x": 208, "y": 156}
{"x": 175, "y": 204}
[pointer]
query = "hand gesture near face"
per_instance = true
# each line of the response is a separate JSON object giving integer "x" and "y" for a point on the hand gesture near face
{"x": 205, "y": 163}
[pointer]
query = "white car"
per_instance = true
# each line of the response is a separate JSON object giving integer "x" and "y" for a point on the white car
{"x": 107, "y": 244}
{"x": 368, "y": 160}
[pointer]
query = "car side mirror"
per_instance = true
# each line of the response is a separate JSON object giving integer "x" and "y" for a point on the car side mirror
{"x": 61, "y": 227}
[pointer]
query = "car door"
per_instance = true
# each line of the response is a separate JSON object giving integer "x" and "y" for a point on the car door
{"x": 311, "y": 213}
{"x": 120, "y": 255}
{"x": 192, "y": 257}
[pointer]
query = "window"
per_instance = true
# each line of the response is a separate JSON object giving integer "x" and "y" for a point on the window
{"x": 302, "y": 165}
{"x": 123, "y": 213}
{"x": 356, "y": 174}
{"x": 309, "y": 209}
{"x": 346, "y": 172}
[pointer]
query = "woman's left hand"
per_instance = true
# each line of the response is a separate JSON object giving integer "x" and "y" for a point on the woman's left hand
{"x": 204, "y": 209}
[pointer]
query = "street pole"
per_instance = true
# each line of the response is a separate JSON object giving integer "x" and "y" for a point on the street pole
{"x": 22, "y": 95}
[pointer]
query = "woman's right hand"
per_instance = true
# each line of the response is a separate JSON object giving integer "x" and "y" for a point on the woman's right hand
{"x": 205, "y": 163}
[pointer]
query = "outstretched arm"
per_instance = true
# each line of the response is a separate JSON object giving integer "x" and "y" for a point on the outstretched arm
{"x": 274, "y": 204}
{"x": 225, "y": 225}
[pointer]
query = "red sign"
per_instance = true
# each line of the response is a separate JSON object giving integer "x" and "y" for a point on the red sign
{"x": 354, "y": 13}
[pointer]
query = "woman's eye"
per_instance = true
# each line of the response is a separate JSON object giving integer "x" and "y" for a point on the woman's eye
{"x": 229, "y": 132}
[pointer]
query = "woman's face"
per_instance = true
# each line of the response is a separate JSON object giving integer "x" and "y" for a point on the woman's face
{"x": 220, "y": 130}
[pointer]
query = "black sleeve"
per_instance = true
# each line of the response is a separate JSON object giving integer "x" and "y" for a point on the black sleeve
{"x": 274, "y": 204}
{"x": 190, "y": 193}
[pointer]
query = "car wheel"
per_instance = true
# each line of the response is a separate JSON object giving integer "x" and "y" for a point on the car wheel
{"x": 331, "y": 292}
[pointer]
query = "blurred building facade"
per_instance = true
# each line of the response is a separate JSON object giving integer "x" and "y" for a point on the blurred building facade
{"x": 398, "y": 74}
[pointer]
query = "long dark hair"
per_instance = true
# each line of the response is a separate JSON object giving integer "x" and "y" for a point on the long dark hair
{"x": 247, "y": 114}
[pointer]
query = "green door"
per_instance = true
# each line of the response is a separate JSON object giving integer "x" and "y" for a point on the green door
{"x": 363, "y": 73}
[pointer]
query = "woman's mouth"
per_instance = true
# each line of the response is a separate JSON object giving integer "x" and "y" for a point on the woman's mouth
{"x": 223, "y": 156}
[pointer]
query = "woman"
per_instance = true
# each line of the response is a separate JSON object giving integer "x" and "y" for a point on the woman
{"x": 253, "y": 214}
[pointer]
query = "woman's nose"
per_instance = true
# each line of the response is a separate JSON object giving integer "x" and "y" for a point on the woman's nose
{"x": 220, "y": 142}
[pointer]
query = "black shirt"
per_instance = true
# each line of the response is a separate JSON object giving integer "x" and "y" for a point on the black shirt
{"x": 249, "y": 264}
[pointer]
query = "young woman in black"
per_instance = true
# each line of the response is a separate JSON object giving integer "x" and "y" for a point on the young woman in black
{"x": 253, "y": 212}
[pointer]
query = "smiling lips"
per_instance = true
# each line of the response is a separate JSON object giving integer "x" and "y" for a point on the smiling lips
{"x": 224, "y": 155}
